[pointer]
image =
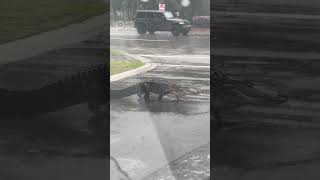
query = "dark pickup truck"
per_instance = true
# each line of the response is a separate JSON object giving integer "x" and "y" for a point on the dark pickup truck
{"x": 153, "y": 20}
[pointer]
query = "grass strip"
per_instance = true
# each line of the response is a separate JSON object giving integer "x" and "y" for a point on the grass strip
{"x": 122, "y": 66}
{"x": 115, "y": 52}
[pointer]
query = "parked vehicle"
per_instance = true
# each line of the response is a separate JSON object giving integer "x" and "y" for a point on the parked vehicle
{"x": 153, "y": 20}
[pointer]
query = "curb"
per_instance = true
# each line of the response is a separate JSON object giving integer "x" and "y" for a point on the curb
{"x": 147, "y": 67}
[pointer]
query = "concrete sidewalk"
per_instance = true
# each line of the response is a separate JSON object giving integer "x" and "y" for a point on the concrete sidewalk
{"x": 193, "y": 165}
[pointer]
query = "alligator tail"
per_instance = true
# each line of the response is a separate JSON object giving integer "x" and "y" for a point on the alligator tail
{"x": 121, "y": 93}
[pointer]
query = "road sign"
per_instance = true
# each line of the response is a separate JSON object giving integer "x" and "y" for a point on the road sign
{"x": 162, "y": 7}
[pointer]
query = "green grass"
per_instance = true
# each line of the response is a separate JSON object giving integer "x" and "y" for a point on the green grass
{"x": 115, "y": 52}
{"x": 121, "y": 66}
{"x": 19, "y": 19}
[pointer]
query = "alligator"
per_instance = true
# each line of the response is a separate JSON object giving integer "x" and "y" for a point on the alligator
{"x": 230, "y": 94}
{"x": 161, "y": 87}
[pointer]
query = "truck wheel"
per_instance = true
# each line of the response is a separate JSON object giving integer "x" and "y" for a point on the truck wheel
{"x": 175, "y": 31}
{"x": 141, "y": 29}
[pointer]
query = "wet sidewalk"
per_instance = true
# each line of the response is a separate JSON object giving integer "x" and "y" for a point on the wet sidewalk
{"x": 193, "y": 165}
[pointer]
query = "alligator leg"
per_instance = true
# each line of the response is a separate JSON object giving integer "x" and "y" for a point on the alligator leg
{"x": 177, "y": 96}
{"x": 160, "y": 97}
{"x": 146, "y": 96}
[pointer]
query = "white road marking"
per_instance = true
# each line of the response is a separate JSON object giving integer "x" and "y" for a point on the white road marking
{"x": 272, "y": 15}
{"x": 151, "y": 40}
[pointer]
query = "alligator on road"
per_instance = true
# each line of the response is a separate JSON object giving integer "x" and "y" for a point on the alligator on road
{"x": 229, "y": 94}
{"x": 160, "y": 87}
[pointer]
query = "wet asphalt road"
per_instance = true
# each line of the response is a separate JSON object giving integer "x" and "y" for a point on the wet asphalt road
{"x": 278, "y": 52}
{"x": 147, "y": 137}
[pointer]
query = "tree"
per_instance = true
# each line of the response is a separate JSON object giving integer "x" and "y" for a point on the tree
{"x": 127, "y": 7}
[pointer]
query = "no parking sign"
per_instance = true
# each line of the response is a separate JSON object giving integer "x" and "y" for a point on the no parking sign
{"x": 162, "y": 7}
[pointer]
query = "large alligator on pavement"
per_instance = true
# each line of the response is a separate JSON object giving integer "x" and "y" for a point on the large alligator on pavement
{"x": 229, "y": 94}
{"x": 161, "y": 87}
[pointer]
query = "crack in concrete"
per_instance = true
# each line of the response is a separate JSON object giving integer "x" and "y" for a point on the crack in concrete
{"x": 120, "y": 173}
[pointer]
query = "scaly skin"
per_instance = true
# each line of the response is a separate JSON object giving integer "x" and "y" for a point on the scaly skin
{"x": 160, "y": 87}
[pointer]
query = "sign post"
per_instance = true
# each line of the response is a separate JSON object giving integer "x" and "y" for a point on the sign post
{"x": 162, "y": 7}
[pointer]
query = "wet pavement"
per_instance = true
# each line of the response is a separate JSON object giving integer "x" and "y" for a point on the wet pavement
{"x": 192, "y": 166}
{"x": 167, "y": 139}
{"x": 276, "y": 52}
{"x": 161, "y": 42}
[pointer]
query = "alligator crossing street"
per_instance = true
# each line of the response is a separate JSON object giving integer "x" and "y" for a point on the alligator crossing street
{"x": 166, "y": 139}
{"x": 278, "y": 51}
